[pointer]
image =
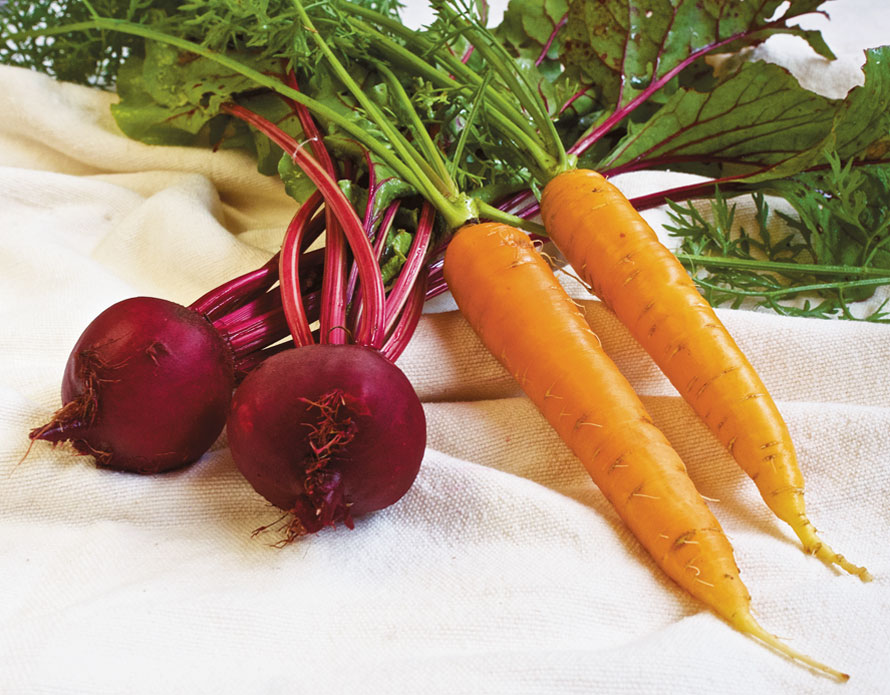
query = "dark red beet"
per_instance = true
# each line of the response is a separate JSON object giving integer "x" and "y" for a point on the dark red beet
{"x": 147, "y": 387}
{"x": 327, "y": 432}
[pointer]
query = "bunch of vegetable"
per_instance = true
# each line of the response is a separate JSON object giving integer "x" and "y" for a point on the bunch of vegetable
{"x": 357, "y": 426}
{"x": 482, "y": 131}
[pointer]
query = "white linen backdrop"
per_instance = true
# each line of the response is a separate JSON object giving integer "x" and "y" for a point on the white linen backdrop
{"x": 503, "y": 570}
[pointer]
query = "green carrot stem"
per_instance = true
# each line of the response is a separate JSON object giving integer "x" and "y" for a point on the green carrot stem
{"x": 497, "y": 57}
{"x": 502, "y": 112}
{"x": 476, "y": 102}
{"x": 417, "y": 60}
{"x": 431, "y": 153}
{"x": 427, "y": 179}
{"x": 779, "y": 267}
{"x": 490, "y": 212}
{"x": 785, "y": 291}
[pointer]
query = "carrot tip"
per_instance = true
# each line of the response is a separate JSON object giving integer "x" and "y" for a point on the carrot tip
{"x": 814, "y": 546}
{"x": 832, "y": 558}
{"x": 746, "y": 623}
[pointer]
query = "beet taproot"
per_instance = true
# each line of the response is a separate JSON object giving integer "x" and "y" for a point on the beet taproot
{"x": 327, "y": 433}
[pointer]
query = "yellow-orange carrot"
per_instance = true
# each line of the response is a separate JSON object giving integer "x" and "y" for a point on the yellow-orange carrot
{"x": 618, "y": 254}
{"x": 511, "y": 298}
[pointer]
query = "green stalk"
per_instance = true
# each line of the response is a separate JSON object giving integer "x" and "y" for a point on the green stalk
{"x": 882, "y": 243}
{"x": 426, "y": 48}
{"x": 495, "y": 54}
{"x": 776, "y": 294}
{"x": 503, "y": 114}
{"x": 490, "y": 212}
{"x": 428, "y": 147}
{"x": 778, "y": 267}
{"x": 541, "y": 119}
{"x": 427, "y": 179}
{"x": 465, "y": 130}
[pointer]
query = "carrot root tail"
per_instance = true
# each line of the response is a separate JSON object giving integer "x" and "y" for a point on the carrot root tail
{"x": 747, "y": 624}
{"x": 815, "y": 546}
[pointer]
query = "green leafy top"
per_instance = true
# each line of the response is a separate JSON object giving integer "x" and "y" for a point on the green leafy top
{"x": 834, "y": 251}
{"x": 620, "y": 83}
{"x": 758, "y": 121}
{"x": 626, "y": 46}
{"x": 92, "y": 57}
{"x": 750, "y": 124}
{"x": 662, "y": 105}
{"x": 175, "y": 93}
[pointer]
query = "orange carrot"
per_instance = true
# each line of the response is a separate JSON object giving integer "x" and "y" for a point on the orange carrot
{"x": 511, "y": 298}
{"x": 616, "y": 252}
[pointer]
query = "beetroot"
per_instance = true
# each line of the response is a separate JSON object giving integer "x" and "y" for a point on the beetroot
{"x": 332, "y": 429}
{"x": 149, "y": 383}
{"x": 146, "y": 388}
{"x": 327, "y": 432}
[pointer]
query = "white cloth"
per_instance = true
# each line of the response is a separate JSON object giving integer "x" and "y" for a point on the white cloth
{"x": 503, "y": 570}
